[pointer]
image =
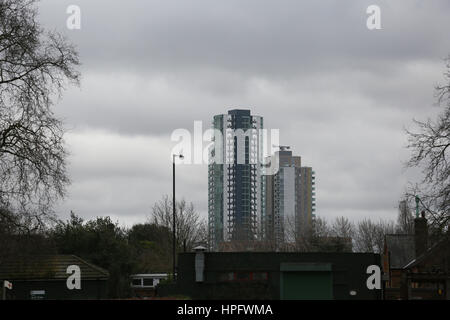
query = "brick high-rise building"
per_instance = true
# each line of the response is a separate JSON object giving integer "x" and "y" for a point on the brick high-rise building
{"x": 290, "y": 198}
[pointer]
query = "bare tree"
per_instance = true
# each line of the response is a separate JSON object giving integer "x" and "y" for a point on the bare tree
{"x": 35, "y": 67}
{"x": 190, "y": 228}
{"x": 369, "y": 236}
{"x": 320, "y": 228}
{"x": 365, "y": 236}
{"x": 292, "y": 237}
{"x": 343, "y": 228}
{"x": 430, "y": 147}
{"x": 405, "y": 219}
{"x": 315, "y": 238}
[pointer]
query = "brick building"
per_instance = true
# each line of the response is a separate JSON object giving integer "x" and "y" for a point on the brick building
{"x": 413, "y": 269}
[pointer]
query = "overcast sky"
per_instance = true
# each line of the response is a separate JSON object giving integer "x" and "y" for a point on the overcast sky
{"x": 340, "y": 94}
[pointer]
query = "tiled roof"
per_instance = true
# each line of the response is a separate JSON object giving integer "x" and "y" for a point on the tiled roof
{"x": 401, "y": 248}
{"x": 48, "y": 267}
{"x": 442, "y": 244}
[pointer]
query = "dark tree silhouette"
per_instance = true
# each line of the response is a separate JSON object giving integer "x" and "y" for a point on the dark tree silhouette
{"x": 35, "y": 67}
{"x": 102, "y": 242}
{"x": 430, "y": 147}
{"x": 405, "y": 218}
{"x": 191, "y": 229}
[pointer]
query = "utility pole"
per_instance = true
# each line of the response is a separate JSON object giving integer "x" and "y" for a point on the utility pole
{"x": 174, "y": 214}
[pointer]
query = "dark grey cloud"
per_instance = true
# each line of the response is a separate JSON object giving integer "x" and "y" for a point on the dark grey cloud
{"x": 339, "y": 93}
{"x": 261, "y": 37}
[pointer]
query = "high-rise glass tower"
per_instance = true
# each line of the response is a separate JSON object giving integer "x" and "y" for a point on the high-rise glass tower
{"x": 235, "y": 185}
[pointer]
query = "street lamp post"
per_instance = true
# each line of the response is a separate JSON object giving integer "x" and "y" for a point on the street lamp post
{"x": 174, "y": 214}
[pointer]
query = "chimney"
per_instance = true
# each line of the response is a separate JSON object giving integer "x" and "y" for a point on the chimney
{"x": 421, "y": 234}
{"x": 199, "y": 263}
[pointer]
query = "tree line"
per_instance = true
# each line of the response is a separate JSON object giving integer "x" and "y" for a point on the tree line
{"x": 343, "y": 235}
{"x": 141, "y": 248}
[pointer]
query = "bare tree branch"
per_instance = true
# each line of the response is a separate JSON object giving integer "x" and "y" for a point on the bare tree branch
{"x": 190, "y": 228}
{"x": 431, "y": 151}
{"x": 35, "y": 67}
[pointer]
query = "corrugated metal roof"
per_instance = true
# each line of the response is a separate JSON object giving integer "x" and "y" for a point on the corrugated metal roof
{"x": 402, "y": 249}
{"x": 48, "y": 267}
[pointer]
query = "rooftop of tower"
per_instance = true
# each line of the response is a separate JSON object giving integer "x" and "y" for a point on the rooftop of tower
{"x": 240, "y": 112}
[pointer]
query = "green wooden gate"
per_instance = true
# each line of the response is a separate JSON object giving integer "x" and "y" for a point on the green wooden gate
{"x": 306, "y": 281}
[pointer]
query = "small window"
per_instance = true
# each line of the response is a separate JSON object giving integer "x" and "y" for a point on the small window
{"x": 148, "y": 282}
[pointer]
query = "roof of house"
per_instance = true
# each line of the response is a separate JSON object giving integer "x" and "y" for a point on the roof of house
{"x": 149, "y": 275}
{"x": 401, "y": 248}
{"x": 443, "y": 244}
{"x": 48, "y": 267}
